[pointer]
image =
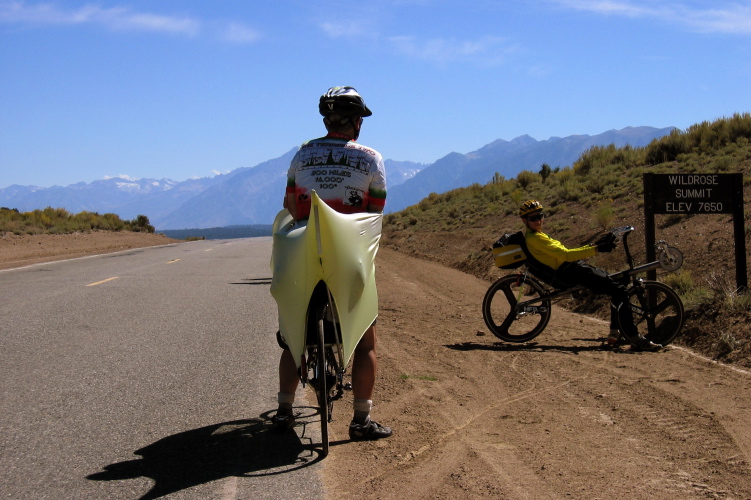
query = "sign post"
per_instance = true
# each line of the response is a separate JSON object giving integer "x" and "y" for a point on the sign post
{"x": 697, "y": 194}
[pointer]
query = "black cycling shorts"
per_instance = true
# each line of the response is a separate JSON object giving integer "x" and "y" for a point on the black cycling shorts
{"x": 283, "y": 344}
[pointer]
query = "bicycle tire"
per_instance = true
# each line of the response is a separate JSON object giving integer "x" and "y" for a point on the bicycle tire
{"x": 671, "y": 259}
{"x": 657, "y": 311}
{"x": 501, "y": 318}
{"x": 322, "y": 390}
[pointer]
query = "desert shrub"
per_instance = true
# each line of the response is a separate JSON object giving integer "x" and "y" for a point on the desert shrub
{"x": 701, "y": 138}
{"x": 525, "y": 179}
{"x": 545, "y": 172}
{"x": 571, "y": 190}
{"x": 517, "y": 198}
{"x": 60, "y": 221}
{"x": 727, "y": 293}
{"x": 726, "y": 343}
{"x": 668, "y": 148}
{"x": 596, "y": 158}
{"x": 564, "y": 176}
{"x": 141, "y": 224}
{"x": 692, "y": 294}
{"x": 604, "y": 215}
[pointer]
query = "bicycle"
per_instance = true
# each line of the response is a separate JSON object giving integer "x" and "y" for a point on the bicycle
{"x": 318, "y": 262}
{"x": 324, "y": 366}
{"x": 517, "y": 307}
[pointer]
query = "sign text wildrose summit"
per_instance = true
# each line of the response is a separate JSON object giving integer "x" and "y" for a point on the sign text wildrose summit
{"x": 697, "y": 194}
{"x": 692, "y": 193}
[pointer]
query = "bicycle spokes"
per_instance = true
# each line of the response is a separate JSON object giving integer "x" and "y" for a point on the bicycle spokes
{"x": 514, "y": 310}
{"x": 657, "y": 311}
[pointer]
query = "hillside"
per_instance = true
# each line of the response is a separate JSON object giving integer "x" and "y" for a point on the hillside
{"x": 508, "y": 158}
{"x": 603, "y": 190}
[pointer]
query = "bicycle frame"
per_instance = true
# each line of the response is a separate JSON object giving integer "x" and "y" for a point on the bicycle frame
{"x": 333, "y": 347}
{"x": 629, "y": 273}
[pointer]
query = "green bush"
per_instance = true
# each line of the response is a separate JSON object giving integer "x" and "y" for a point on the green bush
{"x": 526, "y": 178}
{"x": 604, "y": 215}
{"x": 60, "y": 221}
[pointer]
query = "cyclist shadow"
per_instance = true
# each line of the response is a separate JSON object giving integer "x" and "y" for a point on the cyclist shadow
{"x": 529, "y": 347}
{"x": 243, "y": 448}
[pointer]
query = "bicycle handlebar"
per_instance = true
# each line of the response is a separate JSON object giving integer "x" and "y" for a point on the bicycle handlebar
{"x": 618, "y": 231}
{"x": 670, "y": 258}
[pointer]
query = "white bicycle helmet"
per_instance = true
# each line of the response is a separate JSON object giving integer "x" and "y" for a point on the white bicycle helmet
{"x": 343, "y": 101}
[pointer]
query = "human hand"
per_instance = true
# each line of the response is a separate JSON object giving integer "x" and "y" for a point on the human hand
{"x": 606, "y": 247}
{"x": 606, "y": 243}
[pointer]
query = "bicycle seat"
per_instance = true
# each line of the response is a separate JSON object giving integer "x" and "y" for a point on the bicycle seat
{"x": 338, "y": 249}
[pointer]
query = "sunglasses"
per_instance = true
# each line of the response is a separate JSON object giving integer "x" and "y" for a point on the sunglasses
{"x": 537, "y": 217}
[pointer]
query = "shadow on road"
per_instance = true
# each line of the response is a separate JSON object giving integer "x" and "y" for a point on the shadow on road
{"x": 253, "y": 281}
{"x": 243, "y": 448}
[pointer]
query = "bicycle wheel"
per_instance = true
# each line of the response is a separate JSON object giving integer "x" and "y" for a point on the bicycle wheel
{"x": 322, "y": 390}
{"x": 657, "y": 311}
{"x": 501, "y": 315}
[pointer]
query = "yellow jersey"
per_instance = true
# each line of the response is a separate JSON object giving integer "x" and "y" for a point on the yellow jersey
{"x": 552, "y": 252}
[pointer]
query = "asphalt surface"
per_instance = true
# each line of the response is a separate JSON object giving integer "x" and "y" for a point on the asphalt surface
{"x": 147, "y": 374}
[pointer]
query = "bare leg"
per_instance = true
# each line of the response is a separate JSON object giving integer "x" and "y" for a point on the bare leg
{"x": 364, "y": 365}
{"x": 363, "y": 382}
{"x": 284, "y": 419}
{"x": 288, "y": 378}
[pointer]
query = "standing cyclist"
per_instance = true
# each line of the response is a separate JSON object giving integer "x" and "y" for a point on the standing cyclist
{"x": 553, "y": 259}
{"x": 350, "y": 178}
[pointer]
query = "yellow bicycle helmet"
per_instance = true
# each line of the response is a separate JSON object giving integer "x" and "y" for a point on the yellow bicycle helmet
{"x": 529, "y": 207}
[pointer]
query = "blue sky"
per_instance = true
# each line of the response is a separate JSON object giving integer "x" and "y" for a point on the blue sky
{"x": 184, "y": 88}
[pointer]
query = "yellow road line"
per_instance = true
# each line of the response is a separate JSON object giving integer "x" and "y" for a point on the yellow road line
{"x": 173, "y": 261}
{"x": 103, "y": 281}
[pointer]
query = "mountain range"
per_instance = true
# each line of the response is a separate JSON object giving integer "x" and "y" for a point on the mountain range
{"x": 253, "y": 195}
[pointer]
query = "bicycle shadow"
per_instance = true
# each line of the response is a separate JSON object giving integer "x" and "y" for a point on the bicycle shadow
{"x": 529, "y": 347}
{"x": 243, "y": 448}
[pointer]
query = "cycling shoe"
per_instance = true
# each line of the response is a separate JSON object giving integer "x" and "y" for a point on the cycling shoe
{"x": 368, "y": 431}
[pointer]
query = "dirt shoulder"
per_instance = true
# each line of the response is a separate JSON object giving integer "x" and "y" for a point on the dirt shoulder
{"x": 558, "y": 418}
{"x": 24, "y": 250}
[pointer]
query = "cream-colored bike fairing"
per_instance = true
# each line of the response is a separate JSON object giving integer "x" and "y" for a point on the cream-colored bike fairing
{"x": 336, "y": 248}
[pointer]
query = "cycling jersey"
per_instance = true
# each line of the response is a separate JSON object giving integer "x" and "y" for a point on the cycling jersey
{"x": 346, "y": 175}
{"x": 552, "y": 253}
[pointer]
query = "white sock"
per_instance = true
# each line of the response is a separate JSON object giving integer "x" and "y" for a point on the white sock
{"x": 362, "y": 409}
{"x": 285, "y": 400}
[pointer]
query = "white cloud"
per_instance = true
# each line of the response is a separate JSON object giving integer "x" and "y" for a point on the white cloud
{"x": 363, "y": 30}
{"x": 735, "y": 20}
{"x": 237, "y": 33}
{"x": 114, "y": 18}
{"x": 628, "y": 9}
{"x": 540, "y": 70}
{"x": 121, "y": 19}
{"x": 490, "y": 50}
{"x": 344, "y": 30}
{"x": 722, "y": 17}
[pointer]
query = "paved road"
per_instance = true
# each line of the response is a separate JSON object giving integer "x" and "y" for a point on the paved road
{"x": 146, "y": 374}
